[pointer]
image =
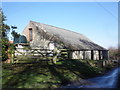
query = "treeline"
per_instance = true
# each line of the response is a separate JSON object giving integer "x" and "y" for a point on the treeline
{"x": 114, "y": 53}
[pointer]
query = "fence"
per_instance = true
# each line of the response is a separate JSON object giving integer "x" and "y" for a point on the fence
{"x": 38, "y": 54}
{"x": 29, "y": 55}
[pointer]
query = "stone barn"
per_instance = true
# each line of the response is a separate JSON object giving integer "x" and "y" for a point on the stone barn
{"x": 45, "y": 36}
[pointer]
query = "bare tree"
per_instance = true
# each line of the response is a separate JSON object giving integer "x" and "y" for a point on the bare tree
{"x": 114, "y": 53}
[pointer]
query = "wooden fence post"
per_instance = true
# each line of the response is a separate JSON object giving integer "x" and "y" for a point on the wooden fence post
{"x": 69, "y": 52}
{"x": 54, "y": 56}
{"x": 92, "y": 55}
{"x": 99, "y": 52}
{"x": 12, "y": 56}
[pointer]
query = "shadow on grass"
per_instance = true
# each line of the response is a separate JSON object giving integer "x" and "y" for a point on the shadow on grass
{"x": 81, "y": 69}
{"x": 32, "y": 75}
{"x": 57, "y": 74}
{"x": 43, "y": 75}
{"x": 22, "y": 75}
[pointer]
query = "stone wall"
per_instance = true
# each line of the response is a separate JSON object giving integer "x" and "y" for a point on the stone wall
{"x": 26, "y": 31}
{"x": 38, "y": 40}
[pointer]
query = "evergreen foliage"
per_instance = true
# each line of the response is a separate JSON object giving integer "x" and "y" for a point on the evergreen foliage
{"x": 4, "y": 30}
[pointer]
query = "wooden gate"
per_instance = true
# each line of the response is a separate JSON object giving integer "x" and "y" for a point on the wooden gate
{"x": 28, "y": 55}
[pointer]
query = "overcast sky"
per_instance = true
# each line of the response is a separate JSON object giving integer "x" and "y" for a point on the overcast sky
{"x": 96, "y": 20}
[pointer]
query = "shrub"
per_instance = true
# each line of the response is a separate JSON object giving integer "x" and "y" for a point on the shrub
{"x": 7, "y": 48}
{"x": 4, "y": 45}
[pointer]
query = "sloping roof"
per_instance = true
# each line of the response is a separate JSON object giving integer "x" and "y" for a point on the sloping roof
{"x": 69, "y": 38}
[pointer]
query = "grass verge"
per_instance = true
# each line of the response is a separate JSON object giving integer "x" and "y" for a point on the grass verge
{"x": 46, "y": 75}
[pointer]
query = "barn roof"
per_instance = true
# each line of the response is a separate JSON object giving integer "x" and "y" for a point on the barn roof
{"x": 70, "y": 39}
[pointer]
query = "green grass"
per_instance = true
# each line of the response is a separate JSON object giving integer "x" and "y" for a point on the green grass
{"x": 41, "y": 75}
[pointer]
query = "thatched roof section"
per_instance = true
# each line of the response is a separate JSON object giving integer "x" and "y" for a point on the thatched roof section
{"x": 69, "y": 38}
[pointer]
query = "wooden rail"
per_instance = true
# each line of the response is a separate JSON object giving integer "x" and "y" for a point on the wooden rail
{"x": 45, "y": 54}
